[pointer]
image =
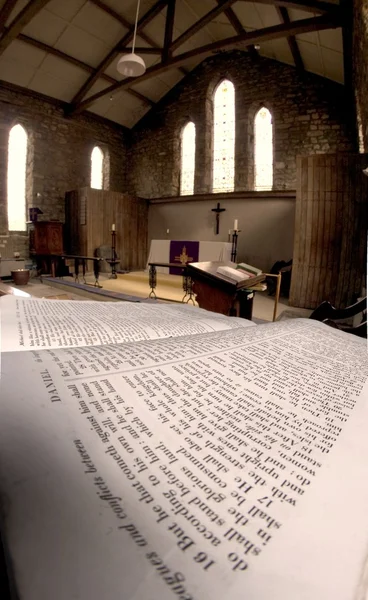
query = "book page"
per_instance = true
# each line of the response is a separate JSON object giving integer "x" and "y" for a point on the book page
{"x": 28, "y": 323}
{"x": 238, "y": 472}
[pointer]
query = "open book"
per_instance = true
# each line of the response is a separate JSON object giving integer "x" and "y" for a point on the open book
{"x": 229, "y": 462}
{"x": 239, "y": 276}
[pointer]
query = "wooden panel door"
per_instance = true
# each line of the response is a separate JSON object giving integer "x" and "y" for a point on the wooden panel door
{"x": 330, "y": 240}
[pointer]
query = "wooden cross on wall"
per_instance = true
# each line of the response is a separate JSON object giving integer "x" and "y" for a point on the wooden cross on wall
{"x": 218, "y": 211}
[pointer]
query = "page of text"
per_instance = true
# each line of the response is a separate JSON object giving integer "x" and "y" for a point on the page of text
{"x": 28, "y": 323}
{"x": 232, "y": 467}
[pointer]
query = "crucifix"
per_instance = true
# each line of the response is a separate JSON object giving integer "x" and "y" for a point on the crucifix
{"x": 218, "y": 211}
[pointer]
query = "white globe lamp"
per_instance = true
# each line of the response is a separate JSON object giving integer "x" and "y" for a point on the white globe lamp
{"x": 132, "y": 65}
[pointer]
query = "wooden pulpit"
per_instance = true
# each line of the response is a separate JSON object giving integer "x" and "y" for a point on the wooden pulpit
{"x": 217, "y": 293}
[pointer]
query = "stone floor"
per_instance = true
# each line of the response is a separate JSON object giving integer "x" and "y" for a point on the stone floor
{"x": 59, "y": 289}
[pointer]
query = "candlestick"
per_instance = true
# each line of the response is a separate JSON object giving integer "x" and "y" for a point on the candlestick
{"x": 236, "y": 224}
{"x": 113, "y": 262}
{"x": 234, "y": 245}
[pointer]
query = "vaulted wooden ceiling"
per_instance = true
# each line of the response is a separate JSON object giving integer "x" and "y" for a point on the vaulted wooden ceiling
{"x": 69, "y": 49}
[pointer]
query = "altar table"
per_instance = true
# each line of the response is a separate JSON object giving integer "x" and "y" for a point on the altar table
{"x": 208, "y": 251}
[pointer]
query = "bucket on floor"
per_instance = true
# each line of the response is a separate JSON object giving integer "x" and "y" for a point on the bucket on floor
{"x": 20, "y": 276}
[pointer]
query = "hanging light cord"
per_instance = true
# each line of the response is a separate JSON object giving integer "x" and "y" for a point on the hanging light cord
{"x": 135, "y": 26}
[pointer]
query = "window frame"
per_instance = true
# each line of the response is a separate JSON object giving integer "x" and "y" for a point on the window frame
{"x": 182, "y": 133}
{"x": 228, "y": 188}
{"x": 102, "y": 154}
{"x": 9, "y": 159}
{"x": 259, "y": 188}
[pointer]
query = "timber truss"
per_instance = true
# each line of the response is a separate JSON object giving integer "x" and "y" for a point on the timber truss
{"x": 323, "y": 15}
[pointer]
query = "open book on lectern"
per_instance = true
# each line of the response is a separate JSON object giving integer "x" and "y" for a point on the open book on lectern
{"x": 226, "y": 461}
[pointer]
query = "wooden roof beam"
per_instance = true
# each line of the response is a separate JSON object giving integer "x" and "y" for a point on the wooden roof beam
{"x": 234, "y": 21}
{"x": 169, "y": 28}
{"x": 5, "y": 13}
{"x": 144, "y": 50}
{"x": 125, "y": 40}
{"x": 293, "y": 44}
{"x": 103, "y": 6}
{"x": 78, "y": 63}
{"x": 207, "y": 18}
{"x": 314, "y": 6}
{"x": 115, "y": 15}
{"x": 21, "y": 20}
{"x": 248, "y": 38}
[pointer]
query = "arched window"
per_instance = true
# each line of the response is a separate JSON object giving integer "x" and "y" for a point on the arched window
{"x": 187, "y": 159}
{"x": 263, "y": 150}
{"x": 224, "y": 138}
{"x": 17, "y": 166}
{"x": 97, "y": 160}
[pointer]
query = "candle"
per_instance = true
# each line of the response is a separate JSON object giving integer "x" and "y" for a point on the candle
{"x": 167, "y": 230}
{"x": 229, "y": 231}
{"x": 236, "y": 224}
{"x": 113, "y": 227}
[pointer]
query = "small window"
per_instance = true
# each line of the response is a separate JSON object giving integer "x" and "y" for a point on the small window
{"x": 263, "y": 150}
{"x": 224, "y": 138}
{"x": 187, "y": 166}
{"x": 360, "y": 131}
{"x": 17, "y": 166}
{"x": 97, "y": 160}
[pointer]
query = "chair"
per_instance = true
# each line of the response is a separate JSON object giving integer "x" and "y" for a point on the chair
{"x": 329, "y": 314}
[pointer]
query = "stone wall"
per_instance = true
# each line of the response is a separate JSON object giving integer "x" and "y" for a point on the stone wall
{"x": 59, "y": 157}
{"x": 360, "y": 69}
{"x": 309, "y": 116}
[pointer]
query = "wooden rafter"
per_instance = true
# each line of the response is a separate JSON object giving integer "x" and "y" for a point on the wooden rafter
{"x": 169, "y": 28}
{"x": 141, "y": 97}
{"x": 5, "y": 13}
{"x": 247, "y": 38}
{"x": 207, "y": 18}
{"x": 118, "y": 17}
{"x": 234, "y": 21}
{"x": 125, "y": 40}
{"x": 20, "y": 21}
{"x": 103, "y": 6}
{"x": 78, "y": 63}
{"x": 293, "y": 44}
{"x": 314, "y": 6}
{"x": 151, "y": 51}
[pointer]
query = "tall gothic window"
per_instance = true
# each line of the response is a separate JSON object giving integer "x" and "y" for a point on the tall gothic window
{"x": 17, "y": 166}
{"x": 263, "y": 150}
{"x": 97, "y": 159}
{"x": 187, "y": 163}
{"x": 224, "y": 138}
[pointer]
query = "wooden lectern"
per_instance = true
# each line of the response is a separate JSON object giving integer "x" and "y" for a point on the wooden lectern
{"x": 219, "y": 294}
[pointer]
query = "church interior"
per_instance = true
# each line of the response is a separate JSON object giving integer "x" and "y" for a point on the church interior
{"x": 145, "y": 132}
{"x": 165, "y": 159}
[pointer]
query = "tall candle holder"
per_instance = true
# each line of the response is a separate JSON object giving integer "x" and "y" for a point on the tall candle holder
{"x": 113, "y": 262}
{"x": 234, "y": 244}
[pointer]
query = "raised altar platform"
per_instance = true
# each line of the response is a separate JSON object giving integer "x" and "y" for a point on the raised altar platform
{"x": 181, "y": 251}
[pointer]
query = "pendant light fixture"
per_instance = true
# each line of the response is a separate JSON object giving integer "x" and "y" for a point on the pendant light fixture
{"x": 132, "y": 65}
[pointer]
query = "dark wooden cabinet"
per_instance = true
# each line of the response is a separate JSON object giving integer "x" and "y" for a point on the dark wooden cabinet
{"x": 46, "y": 241}
{"x": 47, "y": 238}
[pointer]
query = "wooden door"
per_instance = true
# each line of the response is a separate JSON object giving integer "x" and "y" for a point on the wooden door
{"x": 330, "y": 241}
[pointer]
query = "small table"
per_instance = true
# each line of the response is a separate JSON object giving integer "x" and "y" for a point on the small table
{"x": 187, "y": 280}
